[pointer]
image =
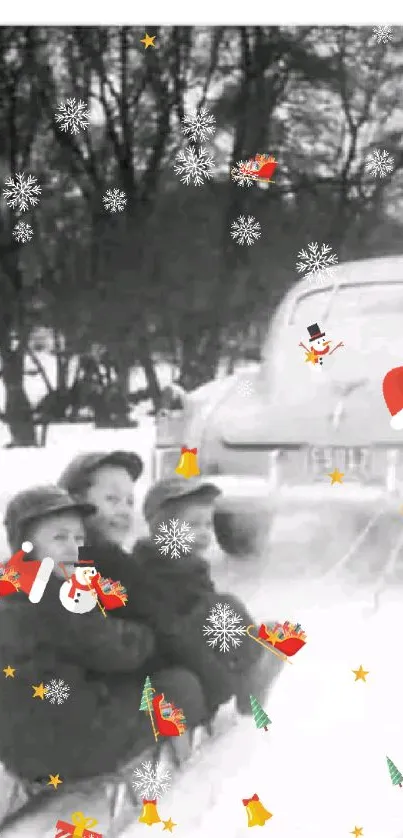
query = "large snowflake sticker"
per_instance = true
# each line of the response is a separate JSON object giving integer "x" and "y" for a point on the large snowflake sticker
{"x": 245, "y": 230}
{"x": 151, "y": 781}
{"x": 379, "y": 163}
{"x": 115, "y": 200}
{"x": 22, "y": 192}
{"x": 23, "y": 232}
{"x": 224, "y": 628}
{"x": 57, "y": 692}
{"x": 239, "y": 176}
{"x": 383, "y": 34}
{"x": 194, "y": 165}
{"x": 317, "y": 263}
{"x": 175, "y": 538}
{"x": 198, "y": 125}
{"x": 72, "y": 116}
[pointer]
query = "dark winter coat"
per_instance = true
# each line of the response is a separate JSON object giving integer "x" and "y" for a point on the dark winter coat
{"x": 95, "y": 729}
{"x": 174, "y": 599}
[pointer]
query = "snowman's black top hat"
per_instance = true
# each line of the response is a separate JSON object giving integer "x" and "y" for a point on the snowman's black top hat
{"x": 85, "y": 557}
{"x": 315, "y": 332}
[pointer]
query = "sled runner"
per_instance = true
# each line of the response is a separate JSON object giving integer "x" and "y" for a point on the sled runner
{"x": 283, "y": 649}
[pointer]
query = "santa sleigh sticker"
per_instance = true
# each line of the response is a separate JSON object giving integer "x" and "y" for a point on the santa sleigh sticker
{"x": 393, "y": 394}
{"x": 284, "y": 640}
{"x": 260, "y": 168}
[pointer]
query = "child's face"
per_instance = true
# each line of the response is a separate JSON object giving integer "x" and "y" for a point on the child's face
{"x": 111, "y": 491}
{"x": 199, "y": 515}
{"x": 58, "y": 536}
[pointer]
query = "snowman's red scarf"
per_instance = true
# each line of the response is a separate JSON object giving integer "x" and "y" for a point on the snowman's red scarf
{"x": 75, "y": 585}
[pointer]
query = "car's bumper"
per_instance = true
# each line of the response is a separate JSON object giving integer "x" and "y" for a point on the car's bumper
{"x": 238, "y": 488}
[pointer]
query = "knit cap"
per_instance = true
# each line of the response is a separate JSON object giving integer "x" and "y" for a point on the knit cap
{"x": 175, "y": 487}
{"x": 73, "y": 478}
{"x": 35, "y": 503}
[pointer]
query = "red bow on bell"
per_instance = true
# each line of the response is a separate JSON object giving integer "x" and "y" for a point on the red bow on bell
{"x": 245, "y": 802}
{"x": 185, "y": 450}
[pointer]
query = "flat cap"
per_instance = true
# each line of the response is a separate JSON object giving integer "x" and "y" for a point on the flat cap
{"x": 37, "y": 502}
{"x": 73, "y": 477}
{"x": 175, "y": 487}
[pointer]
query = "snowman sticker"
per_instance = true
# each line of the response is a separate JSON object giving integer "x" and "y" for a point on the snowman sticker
{"x": 319, "y": 347}
{"x": 85, "y": 589}
{"x": 77, "y": 594}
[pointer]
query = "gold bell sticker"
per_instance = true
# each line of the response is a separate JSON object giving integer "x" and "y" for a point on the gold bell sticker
{"x": 257, "y": 814}
{"x": 149, "y": 814}
{"x": 188, "y": 465}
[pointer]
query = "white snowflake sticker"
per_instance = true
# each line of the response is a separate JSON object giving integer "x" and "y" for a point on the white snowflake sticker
{"x": 57, "y": 691}
{"x": 245, "y": 230}
{"x": 239, "y": 175}
{"x": 151, "y": 781}
{"x": 224, "y": 628}
{"x": 23, "y": 232}
{"x": 22, "y": 192}
{"x": 114, "y": 200}
{"x": 194, "y": 165}
{"x": 72, "y": 116}
{"x": 379, "y": 163}
{"x": 245, "y": 388}
{"x": 317, "y": 263}
{"x": 383, "y": 34}
{"x": 198, "y": 125}
{"x": 175, "y": 538}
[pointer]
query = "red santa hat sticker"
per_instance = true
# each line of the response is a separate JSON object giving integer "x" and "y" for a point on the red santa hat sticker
{"x": 393, "y": 394}
{"x": 30, "y": 577}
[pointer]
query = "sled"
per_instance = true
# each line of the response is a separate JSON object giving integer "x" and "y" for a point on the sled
{"x": 283, "y": 649}
{"x": 169, "y": 720}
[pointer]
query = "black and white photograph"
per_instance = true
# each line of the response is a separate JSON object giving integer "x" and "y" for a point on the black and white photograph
{"x": 201, "y": 426}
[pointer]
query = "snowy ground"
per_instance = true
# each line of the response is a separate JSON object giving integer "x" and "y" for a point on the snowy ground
{"x": 321, "y": 768}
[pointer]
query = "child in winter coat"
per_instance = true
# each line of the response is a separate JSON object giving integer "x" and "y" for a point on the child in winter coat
{"x": 99, "y": 730}
{"x": 174, "y": 597}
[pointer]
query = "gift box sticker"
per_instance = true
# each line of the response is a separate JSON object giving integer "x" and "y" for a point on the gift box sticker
{"x": 80, "y": 827}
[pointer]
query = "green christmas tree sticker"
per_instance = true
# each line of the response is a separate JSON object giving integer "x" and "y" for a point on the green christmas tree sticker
{"x": 261, "y": 718}
{"x": 146, "y": 695}
{"x": 395, "y": 775}
{"x": 146, "y": 703}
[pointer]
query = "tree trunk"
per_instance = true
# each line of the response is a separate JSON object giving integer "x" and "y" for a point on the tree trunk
{"x": 144, "y": 355}
{"x": 18, "y": 413}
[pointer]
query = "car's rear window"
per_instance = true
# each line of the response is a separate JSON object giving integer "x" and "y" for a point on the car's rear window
{"x": 346, "y": 301}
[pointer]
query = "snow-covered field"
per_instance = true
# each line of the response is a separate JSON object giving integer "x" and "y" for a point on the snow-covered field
{"x": 321, "y": 767}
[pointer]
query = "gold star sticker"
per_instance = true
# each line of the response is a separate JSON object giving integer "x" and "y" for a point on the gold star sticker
{"x": 169, "y": 825}
{"x": 9, "y": 672}
{"x": 310, "y": 357}
{"x": 357, "y": 831}
{"x": 54, "y": 780}
{"x": 148, "y": 41}
{"x": 359, "y": 674}
{"x": 40, "y": 691}
{"x": 336, "y": 476}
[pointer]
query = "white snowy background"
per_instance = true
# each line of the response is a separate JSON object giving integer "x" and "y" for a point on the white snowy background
{"x": 321, "y": 768}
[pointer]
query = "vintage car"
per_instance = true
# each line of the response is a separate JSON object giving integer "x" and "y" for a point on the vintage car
{"x": 270, "y": 438}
